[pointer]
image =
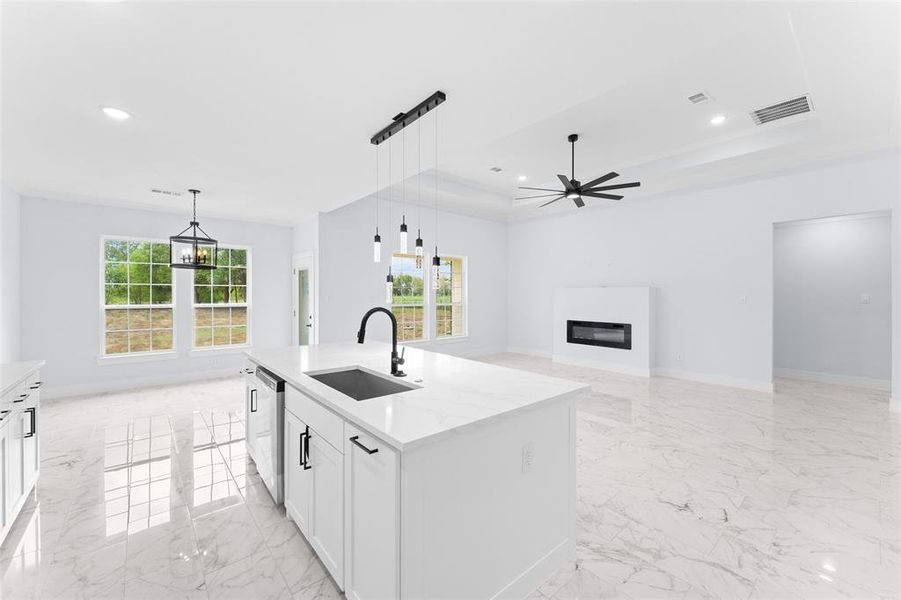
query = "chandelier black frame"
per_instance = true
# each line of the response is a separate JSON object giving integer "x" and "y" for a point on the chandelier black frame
{"x": 203, "y": 251}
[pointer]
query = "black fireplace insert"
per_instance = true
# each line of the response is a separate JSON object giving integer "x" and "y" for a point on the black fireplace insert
{"x": 592, "y": 333}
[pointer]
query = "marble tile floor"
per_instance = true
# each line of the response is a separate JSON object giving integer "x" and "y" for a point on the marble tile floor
{"x": 685, "y": 490}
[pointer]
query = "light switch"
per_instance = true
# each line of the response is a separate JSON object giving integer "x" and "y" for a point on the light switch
{"x": 864, "y": 298}
{"x": 528, "y": 457}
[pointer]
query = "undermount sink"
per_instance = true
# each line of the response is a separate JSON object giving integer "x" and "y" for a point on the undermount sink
{"x": 360, "y": 384}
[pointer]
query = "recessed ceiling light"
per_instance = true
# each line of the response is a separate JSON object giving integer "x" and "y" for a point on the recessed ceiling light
{"x": 115, "y": 113}
{"x": 718, "y": 120}
{"x": 522, "y": 177}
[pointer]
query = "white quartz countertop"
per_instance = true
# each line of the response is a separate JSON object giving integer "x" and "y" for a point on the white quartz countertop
{"x": 455, "y": 392}
{"x": 13, "y": 373}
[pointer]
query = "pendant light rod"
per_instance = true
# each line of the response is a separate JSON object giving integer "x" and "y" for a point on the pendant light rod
{"x": 573, "y": 138}
{"x": 403, "y": 119}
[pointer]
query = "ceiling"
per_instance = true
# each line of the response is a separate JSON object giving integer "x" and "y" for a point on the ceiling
{"x": 268, "y": 107}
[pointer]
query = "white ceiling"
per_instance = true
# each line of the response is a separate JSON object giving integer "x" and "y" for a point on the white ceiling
{"x": 268, "y": 107}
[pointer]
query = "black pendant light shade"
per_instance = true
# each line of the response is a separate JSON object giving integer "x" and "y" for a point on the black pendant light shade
{"x": 193, "y": 248}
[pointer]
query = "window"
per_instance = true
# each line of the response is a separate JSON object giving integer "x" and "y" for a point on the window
{"x": 221, "y": 300}
{"x": 137, "y": 297}
{"x": 450, "y": 299}
{"x": 408, "y": 301}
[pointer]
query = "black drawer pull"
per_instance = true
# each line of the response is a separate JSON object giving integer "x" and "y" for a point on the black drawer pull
{"x": 37, "y": 384}
{"x": 34, "y": 424}
{"x": 356, "y": 441}
{"x": 253, "y": 397}
{"x": 22, "y": 398}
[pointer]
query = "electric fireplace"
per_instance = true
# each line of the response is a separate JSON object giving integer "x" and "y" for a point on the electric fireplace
{"x": 593, "y": 333}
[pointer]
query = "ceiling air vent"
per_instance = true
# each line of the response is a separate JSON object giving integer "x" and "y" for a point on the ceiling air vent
{"x": 795, "y": 106}
{"x": 496, "y": 169}
{"x": 698, "y": 98}
{"x": 165, "y": 192}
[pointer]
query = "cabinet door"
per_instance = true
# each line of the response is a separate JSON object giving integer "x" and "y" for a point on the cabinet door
{"x": 4, "y": 461}
{"x": 371, "y": 486}
{"x": 250, "y": 410}
{"x": 298, "y": 480}
{"x": 30, "y": 453}
{"x": 327, "y": 508}
{"x": 15, "y": 472}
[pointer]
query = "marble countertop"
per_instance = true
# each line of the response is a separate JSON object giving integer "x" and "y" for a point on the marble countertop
{"x": 13, "y": 373}
{"x": 454, "y": 393}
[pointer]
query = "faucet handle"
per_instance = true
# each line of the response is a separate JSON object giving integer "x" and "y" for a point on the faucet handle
{"x": 400, "y": 359}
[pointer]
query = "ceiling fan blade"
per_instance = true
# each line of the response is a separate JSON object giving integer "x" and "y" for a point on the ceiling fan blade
{"x": 540, "y": 189}
{"x": 567, "y": 184}
{"x": 599, "y": 195}
{"x": 619, "y": 186}
{"x": 601, "y": 179}
{"x": 551, "y": 202}
{"x": 542, "y": 196}
{"x": 579, "y": 202}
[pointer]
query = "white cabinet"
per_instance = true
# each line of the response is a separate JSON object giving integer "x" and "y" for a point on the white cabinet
{"x": 15, "y": 471}
{"x": 314, "y": 480}
{"x": 297, "y": 483}
{"x": 251, "y": 409}
{"x": 5, "y": 509}
{"x": 371, "y": 514}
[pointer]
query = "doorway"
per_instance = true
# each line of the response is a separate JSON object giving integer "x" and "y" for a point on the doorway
{"x": 832, "y": 297}
{"x": 303, "y": 312}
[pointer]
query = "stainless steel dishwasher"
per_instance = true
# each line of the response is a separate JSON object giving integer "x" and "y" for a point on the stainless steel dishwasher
{"x": 265, "y": 423}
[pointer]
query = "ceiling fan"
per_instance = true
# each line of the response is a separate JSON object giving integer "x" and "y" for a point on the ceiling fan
{"x": 574, "y": 190}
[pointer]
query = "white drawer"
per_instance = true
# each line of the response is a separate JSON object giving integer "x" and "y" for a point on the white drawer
{"x": 324, "y": 422}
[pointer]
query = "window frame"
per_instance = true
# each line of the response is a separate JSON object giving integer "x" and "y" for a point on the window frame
{"x": 103, "y": 356}
{"x": 426, "y": 329}
{"x": 465, "y": 302}
{"x": 247, "y": 304}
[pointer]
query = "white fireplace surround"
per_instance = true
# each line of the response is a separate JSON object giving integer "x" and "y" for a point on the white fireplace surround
{"x": 610, "y": 305}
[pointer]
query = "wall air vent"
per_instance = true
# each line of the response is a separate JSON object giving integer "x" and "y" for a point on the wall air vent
{"x": 698, "y": 98}
{"x": 795, "y": 106}
{"x": 496, "y": 169}
{"x": 165, "y": 192}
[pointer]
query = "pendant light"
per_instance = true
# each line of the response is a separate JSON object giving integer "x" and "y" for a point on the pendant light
{"x": 389, "y": 288}
{"x": 193, "y": 248}
{"x": 419, "y": 249}
{"x": 436, "y": 260}
{"x": 403, "y": 182}
{"x": 389, "y": 280}
{"x": 377, "y": 240}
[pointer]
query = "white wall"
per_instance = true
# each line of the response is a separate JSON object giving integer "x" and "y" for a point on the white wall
{"x": 708, "y": 252}
{"x": 824, "y": 328}
{"x": 61, "y": 293}
{"x": 896, "y": 295}
{"x": 351, "y": 283}
{"x": 10, "y": 243}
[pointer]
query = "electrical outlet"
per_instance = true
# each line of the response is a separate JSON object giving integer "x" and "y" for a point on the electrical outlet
{"x": 864, "y": 298}
{"x": 678, "y": 357}
{"x": 743, "y": 299}
{"x": 528, "y": 457}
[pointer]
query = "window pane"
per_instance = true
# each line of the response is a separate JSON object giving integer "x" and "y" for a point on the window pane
{"x": 221, "y": 317}
{"x": 138, "y": 273}
{"x": 221, "y": 336}
{"x": 161, "y": 318}
{"x": 203, "y": 336}
{"x": 238, "y": 257}
{"x": 220, "y": 276}
{"x": 220, "y": 294}
{"x": 161, "y": 294}
{"x": 139, "y": 318}
{"x": 161, "y": 274}
{"x": 139, "y": 252}
{"x": 116, "y": 273}
{"x": 239, "y": 276}
{"x": 202, "y": 276}
{"x": 203, "y": 295}
{"x": 239, "y": 316}
{"x": 115, "y": 250}
{"x": 162, "y": 339}
{"x": 238, "y": 294}
{"x": 222, "y": 258}
{"x": 116, "y": 343}
{"x": 116, "y": 319}
{"x": 239, "y": 335}
{"x": 116, "y": 294}
{"x": 139, "y": 341}
{"x": 139, "y": 294}
{"x": 160, "y": 254}
{"x": 203, "y": 317}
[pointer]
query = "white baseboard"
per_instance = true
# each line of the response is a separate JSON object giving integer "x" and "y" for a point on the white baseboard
{"x": 865, "y": 382}
{"x": 54, "y": 392}
{"x": 541, "y": 571}
{"x": 725, "y": 380}
{"x": 604, "y": 366}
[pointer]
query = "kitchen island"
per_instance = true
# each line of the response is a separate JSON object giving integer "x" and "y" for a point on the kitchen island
{"x": 458, "y": 482}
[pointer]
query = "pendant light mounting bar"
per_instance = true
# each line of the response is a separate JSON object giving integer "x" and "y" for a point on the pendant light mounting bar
{"x": 401, "y": 120}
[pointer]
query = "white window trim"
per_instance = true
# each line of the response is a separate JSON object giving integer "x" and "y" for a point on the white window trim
{"x": 106, "y": 359}
{"x": 211, "y": 350}
{"x": 465, "y": 335}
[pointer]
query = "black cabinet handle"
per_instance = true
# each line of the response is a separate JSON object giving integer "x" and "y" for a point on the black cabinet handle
{"x": 305, "y": 450}
{"x": 33, "y": 426}
{"x": 3, "y": 414}
{"x": 253, "y": 397}
{"x": 36, "y": 385}
{"x": 22, "y": 398}
{"x": 356, "y": 441}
